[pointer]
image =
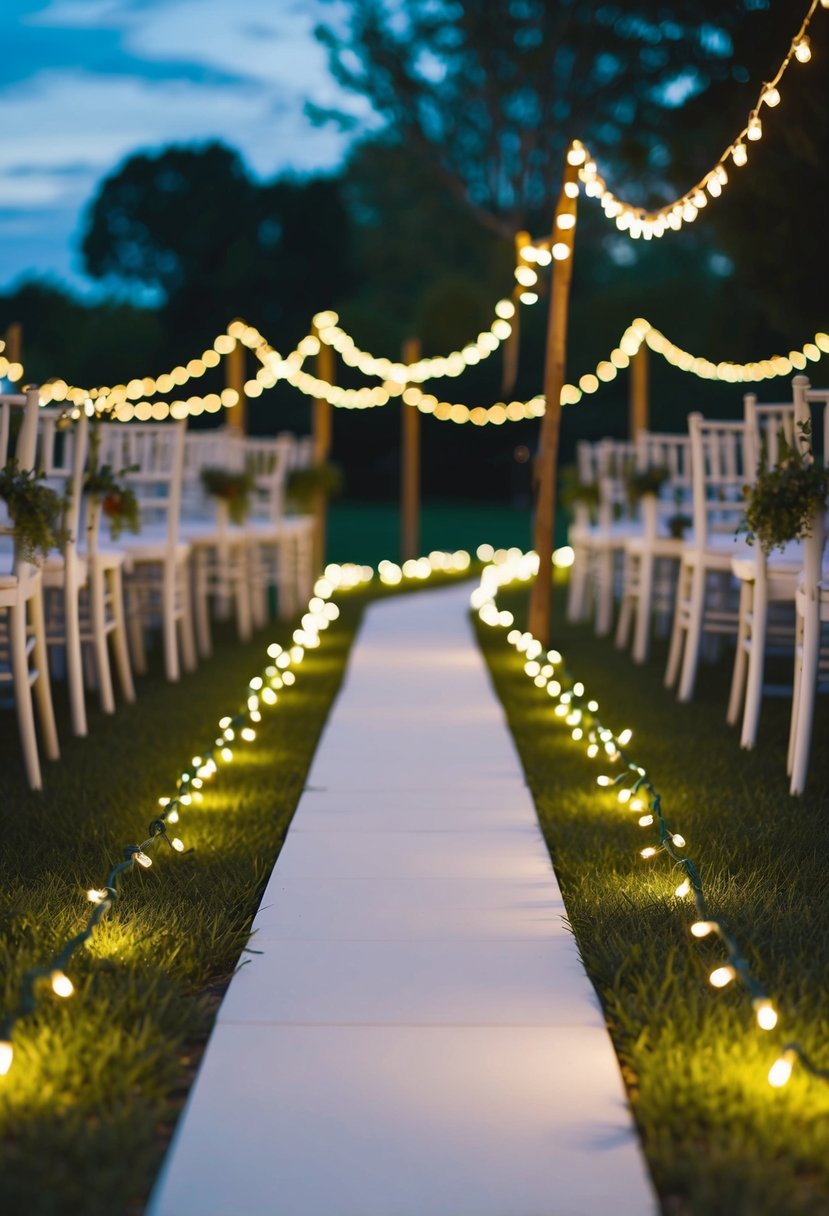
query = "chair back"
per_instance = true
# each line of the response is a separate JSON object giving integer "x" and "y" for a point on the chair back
{"x": 268, "y": 461}
{"x": 719, "y": 470}
{"x": 63, "y": 444}
{"x": 805, "y": 397}
{"x": 23, "y": 450}
{"x": 615, "y": 460}
{"x": 765, "y": 423}
{"x": 216, "y": 449}
{"x": 148, "y": 457}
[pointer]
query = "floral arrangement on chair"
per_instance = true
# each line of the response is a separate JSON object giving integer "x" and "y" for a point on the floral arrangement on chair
{"x": 646, "y": 481}
{"x": 232, "y": 487}
{"x": 573, "y": 490}
{"x": 118, "y": 502}
{"x": 304, "y": 485}
{"x": 782, "y": 502}
{"x": 35, "y": 510}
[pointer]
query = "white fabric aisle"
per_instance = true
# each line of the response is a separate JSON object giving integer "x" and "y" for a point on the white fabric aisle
{"x": 418, "y": 1036}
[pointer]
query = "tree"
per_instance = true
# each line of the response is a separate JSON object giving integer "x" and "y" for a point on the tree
{"x": 192, "y": 227}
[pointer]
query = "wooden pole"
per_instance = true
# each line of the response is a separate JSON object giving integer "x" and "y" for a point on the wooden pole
{"x": 237, "y": 415}
{"x": 410, "y": 466}
{"x": 639, "y": 391}
{"x": 321, "y": 428}
{"x": 14, "y": 345}
{"x": 513, "y": 342}
{"x": 563, "y": 240}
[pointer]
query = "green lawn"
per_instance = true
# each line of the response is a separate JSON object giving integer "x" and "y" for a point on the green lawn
{"x": 719, "y": 1140}
{"x": 368, "y": 532}
{"x": 98, "y": 1079}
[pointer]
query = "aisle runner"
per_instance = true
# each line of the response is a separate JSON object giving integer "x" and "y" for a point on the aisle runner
{"x": 417, "y": 1037}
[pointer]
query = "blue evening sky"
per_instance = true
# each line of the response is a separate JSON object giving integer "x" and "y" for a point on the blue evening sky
{"x": 84, "y": 83}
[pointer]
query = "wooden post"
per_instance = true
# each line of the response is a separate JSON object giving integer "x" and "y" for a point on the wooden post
{"x": 639, "y": 384}
{"x": 321, "y": 428}
{"x": 513, "y": 342}
{"x": 410, "y": 466}
{"x": 14, "y": 345}
{"x": 236, "y": 415}
{"x": 563, "y": 240}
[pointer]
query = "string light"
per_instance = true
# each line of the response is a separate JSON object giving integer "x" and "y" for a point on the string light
{"x": 321, "y": 613}
{"x": 639, "y": 222}
{"x": 511, "y": 567}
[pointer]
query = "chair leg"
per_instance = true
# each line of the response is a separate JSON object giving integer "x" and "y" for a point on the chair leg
{"x": 74, "y": 662}
{"x": 679, "y": 626}
{"x": 746, "y": 638}
{"x": 241, "y": 579}
{"x": 202, "y": 603}
{"x": 806, "y": 699}
{"x": 756, "y": 670}
{"x": 644, "y": 607}
{"x": 604, "y": 599}
{"x": 119, "y": 635}
{"x": 189, "y": 658}
{"x": 97, "y": 612}
{"x": 693, "y": 635}
{"x": 23, "y": 693}
{"x": 135, "y": 631}
{"x": 577, "y": 591}
{"x": 168, "y": 621}
{"x": 630, "y": 586}
{"x": 43, "y": 689}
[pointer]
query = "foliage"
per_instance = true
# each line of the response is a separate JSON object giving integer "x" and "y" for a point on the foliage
{"x": 234, "y": 488}
{"x": 35, "y": 510}
{"x": 646, "y": 481}
{"x": 781, "y": 503}
{"x": 118, "y": 501}
{"x": 678, "y": 524}
{"x": 304, "y": 485}
{"x": 573, "y": 490}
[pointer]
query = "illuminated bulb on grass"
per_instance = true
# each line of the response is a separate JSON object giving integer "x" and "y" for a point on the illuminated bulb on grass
{"x": 61, "y": 984}
{"x": 781, "y": 1069}
{"x": 650, "y": 851}
{"x": 96, "y": 895}
{"x": 624, "y": 796}
{"x": 625, "y": 737}
{"x": 6, "y": 1056}
{"x": 578, "y": 734}
{"x": 683, "y": 889}
{"x": 177, "y": 844}
{"x": 248, "y": 734}
{"x": 143, "y": 860}
{"x": 604, "y": 780}
{"x": 593, "y": 751}
{"x": 721, "y": 976}
{"x": 226, "y": 754}
{"x": 702, "y": 928}
{"x": 173, "y": 816}
{"x": 679, "y": 841}
{"x": 645, "y": 821}
{"x": 766, "y": 1013}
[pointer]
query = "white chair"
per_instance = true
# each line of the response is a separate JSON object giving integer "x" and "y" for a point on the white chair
{"x": 767, "y": 582}
{"x": 706, "y": 596}
{"x": 811, "y": 666}
{"x": 579, "y": 535}
{"x": 22, "y": 624}
{"x": 221, "y": 567}
{"x": 157, "y": 559}
{"x": 298, "y": 533}
{"x": 652, "y": 557}
{"x": 272, "y": 551}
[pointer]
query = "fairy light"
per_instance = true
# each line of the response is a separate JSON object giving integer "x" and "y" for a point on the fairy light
{"x": 641, "y": 223}
{"x": 61, "y": 984}
{"x": 634, "y": 777}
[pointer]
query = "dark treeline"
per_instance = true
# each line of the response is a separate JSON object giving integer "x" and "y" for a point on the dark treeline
{"x": 413, "y": 235}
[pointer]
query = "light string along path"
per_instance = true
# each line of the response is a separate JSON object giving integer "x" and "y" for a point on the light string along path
{"x": 634, "y": 789}
{"x": 640, "y": 222}
{"x": 262, "y": 691}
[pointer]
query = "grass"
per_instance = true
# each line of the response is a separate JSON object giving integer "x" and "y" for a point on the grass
{"x": 99, "y": 1079}
{"x": 717, "y": 1138}
{"x": 368, "y": 532}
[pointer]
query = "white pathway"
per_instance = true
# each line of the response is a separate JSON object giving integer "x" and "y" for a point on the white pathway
{"x": 418, "y": 1037}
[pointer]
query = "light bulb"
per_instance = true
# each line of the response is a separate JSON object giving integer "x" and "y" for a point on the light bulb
{"x": 683, "y": 889}
{"x": 625, "y": 736}
{"x": 172, "y": 816}
{"x": 604, "y": 780}
{"x": 650, "y": 851}
{"x": 771, "y": 96}
{"x": 766, "y": 1013}
{"x": 645, "y": 821}
{"x": 781, "y": 1069}
{"x": 560, "y": 251}
{"x": 679, "y": 841}
{"x": 142, "y": 859}
{"x": 6, "y": 1056}
{"x": 61, "y": 984}
{"x": 248, "y": 734}
{"x": 754, "y": 131}
{"x": 721, "y": 976}
{"x": 803, "y": 49}
{"x": 739, "y": 154}
{"x": 177, "y": 844}
{"x": 702, "y": 928}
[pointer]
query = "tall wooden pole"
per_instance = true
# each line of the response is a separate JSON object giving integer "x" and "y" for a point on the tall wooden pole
{"x": 410, "y": 466}
{"x": 513, "y": 342}
{"x": 321, "y": 429}
{"x": 639, "y": 391}
{"x": 563, "y": 241}
{"x": 14, "y": 345}
{"x": 237, "y": 415}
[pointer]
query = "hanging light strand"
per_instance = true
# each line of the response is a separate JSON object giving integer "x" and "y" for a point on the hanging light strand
{"x": 639, "y": 222}
{"x": 635, "y": 792}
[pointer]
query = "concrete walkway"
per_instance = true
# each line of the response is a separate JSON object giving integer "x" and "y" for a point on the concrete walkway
{"x": 418, "y": 1037}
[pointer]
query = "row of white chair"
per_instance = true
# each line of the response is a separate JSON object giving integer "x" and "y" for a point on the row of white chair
{"x": 710, "y": 583}
{"x": 188, "y": 557}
